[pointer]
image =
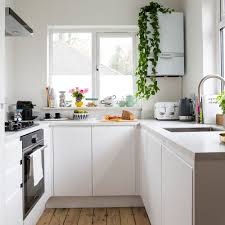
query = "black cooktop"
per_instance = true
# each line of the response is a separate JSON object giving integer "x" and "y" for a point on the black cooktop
{"x": 17, "y": 126}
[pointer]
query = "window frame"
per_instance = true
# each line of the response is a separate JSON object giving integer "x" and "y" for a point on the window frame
{"x": 96, "y": 32}
{"x": 220, "y": 27}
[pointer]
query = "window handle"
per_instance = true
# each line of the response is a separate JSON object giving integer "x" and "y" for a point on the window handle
{"x": 97, "y": 68}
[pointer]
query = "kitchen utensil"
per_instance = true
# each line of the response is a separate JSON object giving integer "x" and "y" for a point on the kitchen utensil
{"x": 166, "y": 111}
{"x": 109, "y": 101}
{"x": 186, "y": 111}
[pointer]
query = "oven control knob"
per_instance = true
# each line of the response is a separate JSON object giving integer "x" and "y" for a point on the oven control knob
{"x": 34, "y": 140}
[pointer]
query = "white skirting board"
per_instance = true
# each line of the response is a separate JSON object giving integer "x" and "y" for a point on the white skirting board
{"x": 94, "y": 202}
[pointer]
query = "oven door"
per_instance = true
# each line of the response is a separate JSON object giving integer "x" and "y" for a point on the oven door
{"x": 31, "y": 193}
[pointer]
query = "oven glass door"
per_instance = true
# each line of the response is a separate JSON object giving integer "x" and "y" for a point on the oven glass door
{"x": 32, "y": 193}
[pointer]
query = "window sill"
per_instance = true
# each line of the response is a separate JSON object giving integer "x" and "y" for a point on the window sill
{"x": 95, "y": 108}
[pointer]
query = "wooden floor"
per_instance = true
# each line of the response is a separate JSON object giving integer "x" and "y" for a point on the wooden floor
{"x": 98, "y": 216}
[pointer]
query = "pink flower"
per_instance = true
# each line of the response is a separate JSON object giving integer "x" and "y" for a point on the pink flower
{"x": 85, "y": 90}
{"x": 77, "y": 88}
{"x": 82, "y": 91}
{"x": 71, "y": 91}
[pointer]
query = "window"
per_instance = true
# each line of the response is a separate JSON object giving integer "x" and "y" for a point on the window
{"x": 222, "y": 36}
{"x": 103, "y": 62}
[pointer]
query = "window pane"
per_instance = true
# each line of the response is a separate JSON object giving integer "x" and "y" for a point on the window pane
{"x": 67, "y": 82}
{"x": 222, "y": 51}
{"x": 116, "y": 66}
{"x": 72, "y": 54}
{"x": 71, "y": 62}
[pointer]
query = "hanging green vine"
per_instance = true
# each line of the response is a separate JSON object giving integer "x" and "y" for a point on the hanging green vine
{"x": 148, "y": 47}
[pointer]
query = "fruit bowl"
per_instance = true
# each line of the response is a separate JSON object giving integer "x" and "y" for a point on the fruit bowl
{"x": 80, "y": 115}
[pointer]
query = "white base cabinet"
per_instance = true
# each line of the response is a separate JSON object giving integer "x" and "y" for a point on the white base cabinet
{"x": 166, "y": 183}
{"x": 13, "y": 201}
{"x": 113, "y": 160}
{"x": 72, "y": 161}
{"x": 176, "y": 189}
{"x": 151, "y": 178}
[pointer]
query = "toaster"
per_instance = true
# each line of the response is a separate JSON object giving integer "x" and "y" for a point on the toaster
{"x": 166, "y": 111}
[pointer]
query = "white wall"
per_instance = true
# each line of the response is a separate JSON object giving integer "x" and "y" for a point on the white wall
{"x": 201, "y": 45}
{"x": 31, "y": 53}
{"x": 10, "y": 66}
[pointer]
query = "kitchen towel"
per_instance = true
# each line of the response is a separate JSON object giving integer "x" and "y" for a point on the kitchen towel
{"x": 36, "y": 166}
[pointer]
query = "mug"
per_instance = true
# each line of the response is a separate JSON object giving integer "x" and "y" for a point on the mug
{"x": 47, "y": 116}
{"x": 57, "y": 116}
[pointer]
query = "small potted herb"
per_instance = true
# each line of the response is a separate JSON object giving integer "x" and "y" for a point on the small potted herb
{"x": 221, "y": 100}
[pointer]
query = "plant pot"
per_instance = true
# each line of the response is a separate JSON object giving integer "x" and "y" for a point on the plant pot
{"x": 224, "y": 120}
{"x": 79, "y": 103}
{"x": 219, "y": 119}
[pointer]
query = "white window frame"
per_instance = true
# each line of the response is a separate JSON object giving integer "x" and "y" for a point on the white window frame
{"x": 97, "y": 32}
{"x": 220, "y": 26}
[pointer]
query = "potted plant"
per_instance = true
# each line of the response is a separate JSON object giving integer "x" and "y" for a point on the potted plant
{"x": 79, "y": 95}
{"x": 221, "y": 100}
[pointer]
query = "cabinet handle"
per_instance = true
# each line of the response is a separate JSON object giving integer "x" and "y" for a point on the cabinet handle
{"x": 21, "y": 162}
{"x": 21, "y": 185}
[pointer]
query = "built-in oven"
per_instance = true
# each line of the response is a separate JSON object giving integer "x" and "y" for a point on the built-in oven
{"x": 33, "y": 169}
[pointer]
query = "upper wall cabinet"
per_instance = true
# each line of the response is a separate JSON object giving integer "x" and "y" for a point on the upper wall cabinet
{"x": 171, "y": 61}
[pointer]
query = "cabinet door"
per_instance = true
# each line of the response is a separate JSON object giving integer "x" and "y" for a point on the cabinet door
{"x": 72, "y": 161}
{"x": 12, "y": 182}
{"x": 113, "y": 160}
{"x": 13, "y": 196}
{"x": 153, "y": 178}
{"x": 48, "y": 164}
{"x": 176, "y": 190}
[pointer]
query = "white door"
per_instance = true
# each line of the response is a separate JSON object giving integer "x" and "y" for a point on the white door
{"x": 2, "y": 98}
{"x": 176, "y": 190}
{"x": 113, "y": 160}
{"x": 72, "y": 161}
{"x": 154, "y": 179}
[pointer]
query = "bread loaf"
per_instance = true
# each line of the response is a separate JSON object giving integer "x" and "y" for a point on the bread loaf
{"x": 126, "y": 115}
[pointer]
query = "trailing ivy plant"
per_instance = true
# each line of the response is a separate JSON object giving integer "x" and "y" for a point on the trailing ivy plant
{"x": 148, "y": 47}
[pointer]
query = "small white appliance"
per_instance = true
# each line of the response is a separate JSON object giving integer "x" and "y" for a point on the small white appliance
{"x": 166, "y": 111}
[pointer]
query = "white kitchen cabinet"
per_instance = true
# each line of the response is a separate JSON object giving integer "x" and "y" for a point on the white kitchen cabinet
{"x": 72, "y": 161}
{"x": 113, "y": 160}
{"x": 151, "y": 177}
{"x": 13, "y": 202}
{"x": 48, "y": 164}
{"x": 176, "y": 189}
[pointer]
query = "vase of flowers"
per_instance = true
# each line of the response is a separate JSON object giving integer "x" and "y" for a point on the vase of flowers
{"x": 79, "y": 95}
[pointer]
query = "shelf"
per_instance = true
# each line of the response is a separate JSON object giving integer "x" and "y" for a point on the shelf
{"x": 94, "y": 108}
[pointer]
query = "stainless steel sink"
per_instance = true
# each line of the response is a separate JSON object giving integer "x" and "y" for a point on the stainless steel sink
{"x": 194, "y": 129}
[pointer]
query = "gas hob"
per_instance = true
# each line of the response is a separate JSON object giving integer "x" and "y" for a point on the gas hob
{"x": 17, "y": 126}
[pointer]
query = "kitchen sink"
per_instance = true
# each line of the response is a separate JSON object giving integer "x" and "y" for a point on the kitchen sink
{"x": 194, "y": 129}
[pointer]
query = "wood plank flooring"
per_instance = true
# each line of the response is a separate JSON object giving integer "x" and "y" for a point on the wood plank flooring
{"x": 97, "y": 216}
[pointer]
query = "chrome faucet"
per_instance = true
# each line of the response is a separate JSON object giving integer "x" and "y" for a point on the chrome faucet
{"x": 199, "y": 112}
